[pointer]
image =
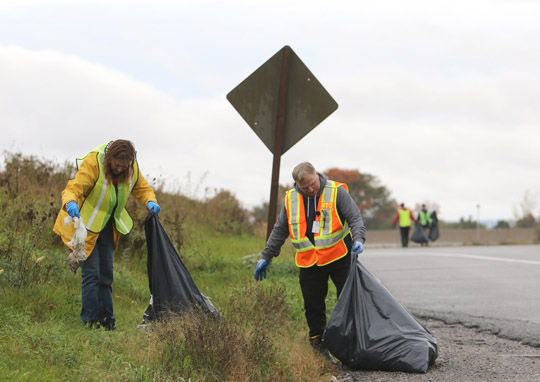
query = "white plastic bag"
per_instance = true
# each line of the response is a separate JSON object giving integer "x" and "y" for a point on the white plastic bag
{"x": 78, "y": 255}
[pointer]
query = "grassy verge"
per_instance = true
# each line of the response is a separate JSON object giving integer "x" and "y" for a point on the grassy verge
{"x": 262, "y": 335}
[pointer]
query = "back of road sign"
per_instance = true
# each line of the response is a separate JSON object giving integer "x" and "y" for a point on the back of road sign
{"x": 256, "y": 100}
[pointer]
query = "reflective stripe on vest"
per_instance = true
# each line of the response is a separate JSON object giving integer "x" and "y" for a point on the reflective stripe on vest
{"x": 404, "y": 218}
{"x": 329, "y": 245}
{"x": 99, "y": 204}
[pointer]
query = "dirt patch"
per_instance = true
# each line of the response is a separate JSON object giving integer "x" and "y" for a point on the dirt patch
{"x": 465, "y": 354}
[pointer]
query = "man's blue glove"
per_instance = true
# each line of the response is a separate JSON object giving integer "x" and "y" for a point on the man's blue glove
{"x": 73, "y": 209}
{"x": 154, "y": 207}
{"x": 260, "y": 269}
{"x": 357, "y": 247}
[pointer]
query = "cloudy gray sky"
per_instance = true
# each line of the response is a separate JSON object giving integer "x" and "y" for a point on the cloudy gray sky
{"x": 438, "y": 99}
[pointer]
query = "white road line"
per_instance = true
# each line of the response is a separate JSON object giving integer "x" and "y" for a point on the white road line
{"x": 490, "y": 258}
{"x": 467, "y": 256}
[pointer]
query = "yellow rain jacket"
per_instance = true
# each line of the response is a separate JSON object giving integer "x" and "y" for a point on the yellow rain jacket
{"x": 80, "y": 187}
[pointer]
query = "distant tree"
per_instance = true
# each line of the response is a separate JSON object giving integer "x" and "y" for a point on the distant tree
{"x": 225, "y": 213}
{"x": 372, "y": 198}
{"x": 502, "y": 224}
{"x": 463, "y": 223}
{"x": 260, "y": 213}
{"x": 524, "y": 216}
{"x": 527, "y": 221}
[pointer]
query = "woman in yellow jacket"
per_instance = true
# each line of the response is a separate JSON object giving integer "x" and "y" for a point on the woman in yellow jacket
{"x": 98, "y": 195}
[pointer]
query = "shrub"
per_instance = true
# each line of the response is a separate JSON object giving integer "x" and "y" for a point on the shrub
{"x": 198, "y": 346}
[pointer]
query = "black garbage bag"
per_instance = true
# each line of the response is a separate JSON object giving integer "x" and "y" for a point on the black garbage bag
{"x": 370, "y": 330}
{"x": 434, "y": 227}
{"x": 419, "y": 235}
{"x": 171, "y": 286}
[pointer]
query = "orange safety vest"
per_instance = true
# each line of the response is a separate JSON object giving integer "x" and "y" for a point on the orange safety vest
{"x": 329, "y": 240}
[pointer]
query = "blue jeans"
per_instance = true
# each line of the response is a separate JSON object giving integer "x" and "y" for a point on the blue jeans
{"x": 97, "y": 279}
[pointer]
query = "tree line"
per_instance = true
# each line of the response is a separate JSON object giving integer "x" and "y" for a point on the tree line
{"x": 379, "y": 208}
{"x": 375, "y": 201}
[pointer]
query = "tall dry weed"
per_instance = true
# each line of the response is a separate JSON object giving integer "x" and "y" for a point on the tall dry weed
{"x": 251, "y": 342}
{"x": 29, "y": 205}
{"x": 198, "y": 346}
{"x": 257, "y": 304}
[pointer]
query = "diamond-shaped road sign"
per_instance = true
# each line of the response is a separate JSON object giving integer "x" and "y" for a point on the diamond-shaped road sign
{"x": 281, "y": 101}
{"x": 307, "y": 102}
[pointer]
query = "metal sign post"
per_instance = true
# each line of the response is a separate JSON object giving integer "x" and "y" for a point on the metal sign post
{"x": 281, "y": 101}
{"x": 278, "y": 142}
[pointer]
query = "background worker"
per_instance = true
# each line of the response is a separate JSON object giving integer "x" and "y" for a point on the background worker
{"x": 98, "y": 194}
{"x": 405, "y": 218}
{"x": 424, "y": 219}
{"x": 319, "y": 215}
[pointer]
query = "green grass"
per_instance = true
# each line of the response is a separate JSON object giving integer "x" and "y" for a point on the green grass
{"x": 262, "y": 335}
{"x": 42, "y": 338}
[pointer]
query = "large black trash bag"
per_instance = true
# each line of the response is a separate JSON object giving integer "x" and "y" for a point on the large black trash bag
{"x": 171, "y": 286}
{"x": 370, "y": 330}
{"x": 434, "y": 227}
{"x": 419, "y": 235}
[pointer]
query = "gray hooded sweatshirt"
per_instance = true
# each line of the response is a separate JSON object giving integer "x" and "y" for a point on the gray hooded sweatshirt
{"x": 346, "y": 208}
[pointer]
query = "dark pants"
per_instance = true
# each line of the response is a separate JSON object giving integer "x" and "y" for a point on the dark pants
{"x": 404, "y": 236}
{"x": 97, "y": 279}
{"x": 314, "y": 285}
{"x": 426, "y": 231}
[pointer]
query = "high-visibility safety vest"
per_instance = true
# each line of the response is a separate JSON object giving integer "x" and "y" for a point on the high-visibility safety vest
{"x": 404, "y": 217}
{"x": 423, "y": 217}
{"x": 100, "y": 203}
{"x": 329, "y": 240}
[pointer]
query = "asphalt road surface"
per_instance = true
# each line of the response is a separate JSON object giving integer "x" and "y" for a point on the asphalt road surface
{"x": 482, "y": 305}
{"x": 494, "y": 288}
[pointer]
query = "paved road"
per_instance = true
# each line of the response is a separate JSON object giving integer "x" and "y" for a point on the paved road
{"x": 496, "y": 288}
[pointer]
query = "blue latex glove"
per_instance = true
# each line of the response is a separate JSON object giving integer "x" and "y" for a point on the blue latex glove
{"x": 357, "y": 247}
{"x": 73, "y": 209}
{"x": 260, "y": 269}
{"x": 154, "y": 207}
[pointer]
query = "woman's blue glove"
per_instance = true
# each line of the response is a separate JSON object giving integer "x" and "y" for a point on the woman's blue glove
{"x": 260, "y": 269}
{"x": 154, "y": 207}
{"x": 357, "y": 247}
{"x": 73, "y": 209}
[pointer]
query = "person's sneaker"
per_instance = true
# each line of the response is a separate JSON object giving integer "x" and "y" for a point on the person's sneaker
{"x": 92, "y": 324}
{"x": 108, "y": 324}
{"x": 319, "y": 347}
{"x": 316, "y": 342}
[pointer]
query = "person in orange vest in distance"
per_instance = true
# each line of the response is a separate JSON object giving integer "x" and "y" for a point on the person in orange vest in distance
{"x": 325, "y": 226}
{"x": 405, "y": 218}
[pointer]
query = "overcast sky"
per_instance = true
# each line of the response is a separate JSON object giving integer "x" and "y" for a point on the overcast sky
{"x": 438, "y": 99}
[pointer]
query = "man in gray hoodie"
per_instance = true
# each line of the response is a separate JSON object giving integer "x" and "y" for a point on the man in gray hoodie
{"x": 325, "y": 226}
